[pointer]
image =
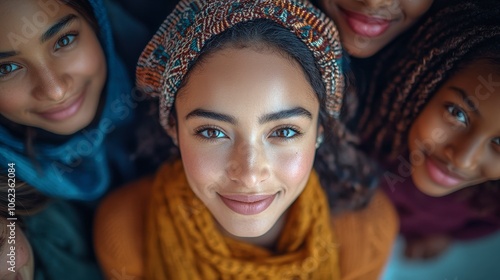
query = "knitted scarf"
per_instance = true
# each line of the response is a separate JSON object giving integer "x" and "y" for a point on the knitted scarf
{"x": 183, "y": 242}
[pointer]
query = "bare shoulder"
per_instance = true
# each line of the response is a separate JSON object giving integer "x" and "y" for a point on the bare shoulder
{"x": 118, "y": 229}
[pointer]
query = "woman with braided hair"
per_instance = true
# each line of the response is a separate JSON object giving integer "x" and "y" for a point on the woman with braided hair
{"x": 249, "y": 91}
{"x": 433, "y": 122}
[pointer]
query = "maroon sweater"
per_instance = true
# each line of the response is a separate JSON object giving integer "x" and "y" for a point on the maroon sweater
{"x": 452, "y": 215}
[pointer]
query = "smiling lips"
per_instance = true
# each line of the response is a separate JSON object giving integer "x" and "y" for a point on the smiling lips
{"x": 364, "y": 25}
{"x": 247, "y": 204}
{"x": 64, "y": 111}
{"x": 441, "y": 175}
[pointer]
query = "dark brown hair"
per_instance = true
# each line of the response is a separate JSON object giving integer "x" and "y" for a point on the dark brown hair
{"x": 451, "y": 38}
{"x": 435, "y": 53}
{"x": 84, "y": 8}
{"x": 28, "y": 200}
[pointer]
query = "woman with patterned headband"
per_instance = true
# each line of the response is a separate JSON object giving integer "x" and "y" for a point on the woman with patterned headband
{"x": 250, "y": 92}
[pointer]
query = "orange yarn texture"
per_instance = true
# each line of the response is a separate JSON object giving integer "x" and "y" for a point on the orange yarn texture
{"x": 183, "y": 242}
{"x": 362, "y": 239}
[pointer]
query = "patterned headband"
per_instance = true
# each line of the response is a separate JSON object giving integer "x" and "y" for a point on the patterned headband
{"x": 179, "y": 40}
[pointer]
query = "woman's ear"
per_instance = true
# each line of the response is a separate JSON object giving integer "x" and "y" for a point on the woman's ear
{"x": 172, "y": 132}
{"x": 172, "y": 129}
{"x": 320, "y": 136}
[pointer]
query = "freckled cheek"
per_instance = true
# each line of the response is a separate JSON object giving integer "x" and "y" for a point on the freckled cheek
{"x": 203, "y": 165}
{"x": 293, "y": 167}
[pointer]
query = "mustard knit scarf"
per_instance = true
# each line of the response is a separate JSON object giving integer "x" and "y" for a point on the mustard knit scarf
{"x": 183, "y": 242}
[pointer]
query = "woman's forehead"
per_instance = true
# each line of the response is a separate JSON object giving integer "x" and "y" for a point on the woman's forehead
{"x": 234, "y": 78}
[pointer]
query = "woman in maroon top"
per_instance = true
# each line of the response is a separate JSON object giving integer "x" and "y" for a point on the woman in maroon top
{"x": 433, "y": 121}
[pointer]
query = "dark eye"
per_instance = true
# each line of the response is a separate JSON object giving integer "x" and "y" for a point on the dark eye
{"x": 496, "y": 141}
{"x": 8, "y": 68}
{"x": 457, "y": 113}
{"x": 211, "y": 133}
{"x": 286, "y": 132}
{"x": 64, "y": 41}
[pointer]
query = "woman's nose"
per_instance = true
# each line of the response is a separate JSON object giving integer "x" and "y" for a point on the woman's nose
{"x": 465, "y": 153}
{"x": 51, "y": 84}
{"x": 248, "y": 165}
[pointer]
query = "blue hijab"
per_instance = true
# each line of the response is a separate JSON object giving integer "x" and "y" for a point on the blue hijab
{"x": 84, "y": 166}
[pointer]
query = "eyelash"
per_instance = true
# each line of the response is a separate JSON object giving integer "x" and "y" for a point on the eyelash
{"x": 455, "y": 106}
{"x": 496, "y": 142}
{"x": 14, "y": 66}
{"x": 66, "y": 35}
{"x": 198, "y": 132}
{"x": 297, "y": 133}
{"x": 13, "y": 69}
{"x": 452, "y": 110}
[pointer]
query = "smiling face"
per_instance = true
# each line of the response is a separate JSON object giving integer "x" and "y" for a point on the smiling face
{"x": 367, "y": 26}
{"x": 246, "y": 128}
{"x": 455, "y": 141}
{"x": 24, "y": 261}
{"x": 52, "y": 66}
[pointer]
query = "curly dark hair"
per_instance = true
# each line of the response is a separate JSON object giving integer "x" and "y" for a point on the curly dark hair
{"x": 450, "y": 38}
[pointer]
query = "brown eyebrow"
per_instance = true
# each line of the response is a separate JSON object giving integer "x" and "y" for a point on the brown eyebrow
{"x": 461, "y": 93}
{"x": 294, "y": 112}
{"x": 56, "y": 28}
{"x": 53, "y": 30}
{"x": 8, "y": 54}
{"x": 285, "y": 114}
{"x": 212, "y": 115}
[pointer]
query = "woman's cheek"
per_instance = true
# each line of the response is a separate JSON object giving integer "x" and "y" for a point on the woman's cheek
{"x": 204, "y": 165}
{"x": 295, "y": 166}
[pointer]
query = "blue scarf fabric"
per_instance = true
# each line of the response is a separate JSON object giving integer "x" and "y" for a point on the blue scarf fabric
{"x": 60, "y": 238}
{"x": 84, "y": 166}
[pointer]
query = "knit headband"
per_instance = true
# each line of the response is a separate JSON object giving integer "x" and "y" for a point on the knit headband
{"x": 179, "y": 40}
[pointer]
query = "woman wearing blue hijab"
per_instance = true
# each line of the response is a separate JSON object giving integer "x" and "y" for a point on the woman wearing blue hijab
{"x": 67, "y": 124}
{"x": 65, "y": 99}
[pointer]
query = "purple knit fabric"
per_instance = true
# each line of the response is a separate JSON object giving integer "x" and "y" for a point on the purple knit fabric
{"x": 422, "y": 215}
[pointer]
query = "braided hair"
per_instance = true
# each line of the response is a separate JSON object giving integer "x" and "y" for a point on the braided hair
{"x": 451, "y": 38}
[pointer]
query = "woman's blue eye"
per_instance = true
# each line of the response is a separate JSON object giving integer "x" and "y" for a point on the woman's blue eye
{"x": 65, "y": 41}
{"x": 8, "y": 68}
{"x": 284, "y": 133}
{"x": 211, "y": 133}
{"x": 457, "y": 113}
